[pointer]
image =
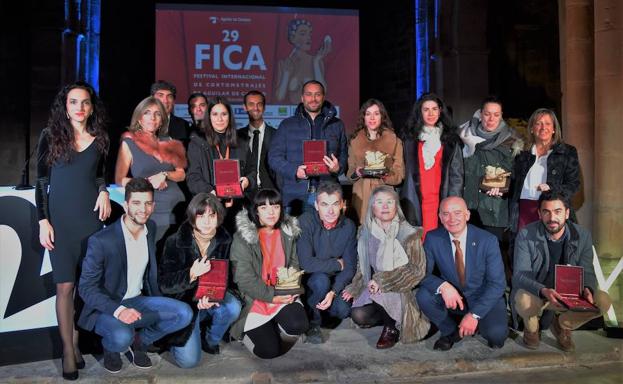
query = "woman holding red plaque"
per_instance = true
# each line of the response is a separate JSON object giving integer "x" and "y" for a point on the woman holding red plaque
{"x": 72, "y": 200}
{"x": 391, "y": 264}
{"x": 218, "y": 139}
{"x": 186, "y": 257}
{"x": 270, "y": 324}
{"x": 147, "y": 151}
{"x": 547, "y": 164}
{"x": 374, "y": 137}
{"x": 433, "y": 162}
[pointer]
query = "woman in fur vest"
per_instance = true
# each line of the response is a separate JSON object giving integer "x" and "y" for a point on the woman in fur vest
{"x": 147, "y": 151}
{"x": 374, "y": 133}
{"x": 270, "y": 324}
{"x": 186, "y": 258}
{"x": 391, "y": 264}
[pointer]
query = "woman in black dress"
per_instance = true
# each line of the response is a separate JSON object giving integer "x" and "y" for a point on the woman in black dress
{"x": 71, "y": 196}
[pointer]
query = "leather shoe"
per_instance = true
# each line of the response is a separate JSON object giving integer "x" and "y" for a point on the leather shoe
{"x": 531, "y": 340}
{"x": 207, "y": 348}
{"x": 444, "y": 343}
{"x": 562, "y": 335}
{"x": 71, "y": 376}
{"x": 389, "y": 338}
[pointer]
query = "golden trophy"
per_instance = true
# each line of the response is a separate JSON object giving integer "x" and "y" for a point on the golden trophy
{"x": 289, "y": 282}
{"x": 375, "y": 164}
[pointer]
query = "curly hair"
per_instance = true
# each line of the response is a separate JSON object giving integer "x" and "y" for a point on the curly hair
{"x": 415, "y": 123}
{"x": 230, "y": 131}
{"x": 386, "y": 122}
{"x": 60, "y": 131}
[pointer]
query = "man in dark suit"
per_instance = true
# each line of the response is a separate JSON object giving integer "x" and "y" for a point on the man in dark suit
{"x": 119, "y": 286}
{"x": 197, "y": 107}
{"x": 179, "y": 129}
{"x": 464, "y": 278}
{"x": 254, "y": 105}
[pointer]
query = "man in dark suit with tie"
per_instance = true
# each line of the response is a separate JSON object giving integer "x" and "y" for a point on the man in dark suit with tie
{"x": 179, "y": 129}
{"x": 122, "y": 302}
{"x": 464, "y": 278}
{"x": 259, "y": 135}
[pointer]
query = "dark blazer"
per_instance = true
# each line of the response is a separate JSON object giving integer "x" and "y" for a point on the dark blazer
{"x": 180, "y": 252}
{"x": 267, "y": 176}
{"x": 104, "y": 278}
{"x": 451, "y": 175}
{"x": 563, "y": 174}
{"x": 179, "y": 129}
{"x": 485, "y": 281}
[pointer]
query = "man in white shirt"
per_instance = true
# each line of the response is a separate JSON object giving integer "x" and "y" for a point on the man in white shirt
{"x": 119, "y": 284}
{"x": 254, "y": 105}
{"x": 465, "y": 278}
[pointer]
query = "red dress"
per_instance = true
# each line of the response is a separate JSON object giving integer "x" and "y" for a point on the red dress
{"x": 430, "y": 183}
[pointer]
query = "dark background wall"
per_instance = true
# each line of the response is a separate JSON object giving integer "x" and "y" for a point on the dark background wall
{"x": 483, "y": 46}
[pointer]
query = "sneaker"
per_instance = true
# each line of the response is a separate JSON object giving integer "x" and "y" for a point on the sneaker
{"x": 207, "y": 348}
{"x": 112, "y": 361}
{"x": 138, "y": 352}
{"x": 562, "y": 335}
{"x": 314, "y": 335}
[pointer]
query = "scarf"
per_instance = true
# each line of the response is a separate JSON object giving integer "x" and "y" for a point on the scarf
{"x": 165, "y": 151}
{"x": 390, "y": 254}
{"x": 473, "y": 133}
{"x": 431, "y": 136}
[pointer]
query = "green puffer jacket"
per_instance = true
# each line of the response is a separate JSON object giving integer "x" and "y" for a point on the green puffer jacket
{"x": 493, "y": 211}
{"x": 246, "y": 259}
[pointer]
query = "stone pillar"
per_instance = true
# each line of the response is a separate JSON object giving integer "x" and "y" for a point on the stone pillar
{"x": 576, "y": 78}
{"x": 608, "y": 191}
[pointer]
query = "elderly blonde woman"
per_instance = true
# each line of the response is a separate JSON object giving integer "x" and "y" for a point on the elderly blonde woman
{"x": 391, "y": 264}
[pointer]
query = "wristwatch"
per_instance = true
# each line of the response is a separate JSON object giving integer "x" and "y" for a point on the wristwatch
{"x": 475, "y": 316}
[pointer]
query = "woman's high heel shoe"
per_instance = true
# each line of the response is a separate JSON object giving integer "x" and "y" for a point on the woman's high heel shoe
{"x": 72, "y": 376}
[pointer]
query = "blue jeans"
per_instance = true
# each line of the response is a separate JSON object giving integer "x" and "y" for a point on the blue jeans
{"x": 222, "y": 316}
{"x": 159, "y": 317}
{"x": 493, "y": 327}
{"x": 318, "y": 285}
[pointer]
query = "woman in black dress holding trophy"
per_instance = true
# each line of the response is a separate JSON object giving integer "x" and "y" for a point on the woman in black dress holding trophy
{"x": 263, "y": 252}
{"x": 218, "y": 140}
{"x": 374, "y": 154}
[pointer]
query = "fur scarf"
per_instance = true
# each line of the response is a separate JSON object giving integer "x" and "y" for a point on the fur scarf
{"x": 166, "y": 151}
{"x": 249, "y": 232}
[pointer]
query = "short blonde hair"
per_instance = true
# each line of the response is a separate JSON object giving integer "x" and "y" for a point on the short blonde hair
{"x": 140, "y": 109}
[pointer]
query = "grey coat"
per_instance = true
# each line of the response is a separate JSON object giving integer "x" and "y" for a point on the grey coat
{"x": 531, "y": 259}
{"x": 246, "y": 259}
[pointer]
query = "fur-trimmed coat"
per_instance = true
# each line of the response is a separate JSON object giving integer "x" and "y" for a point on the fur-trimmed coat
{"x": 246, "y": 259}
{"x": 180, "y": 252}
{"x": 403, "y": 280}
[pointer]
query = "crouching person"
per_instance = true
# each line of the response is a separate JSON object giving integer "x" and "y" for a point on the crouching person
{"x": 119, "y": 287}
{"x": 270, "y": 323}
{"x": 187, "y": 255}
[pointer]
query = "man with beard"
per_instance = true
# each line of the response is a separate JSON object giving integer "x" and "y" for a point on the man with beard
{"x": 119, "y": 285}
{"x": 539, "y": 247}
{"x": 314, "y": 119}
{"x": 197, "y": 106}
{"x": 260, "y": 136}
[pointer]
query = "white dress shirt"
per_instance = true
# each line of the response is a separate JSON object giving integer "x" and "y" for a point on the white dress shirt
{"x": 537, "y": 174}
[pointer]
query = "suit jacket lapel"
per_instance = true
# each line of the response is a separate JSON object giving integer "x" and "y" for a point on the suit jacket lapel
{"x": 123, "y": 253}
{"x": 470, "y": 253}
{"x": 449, "y": 259}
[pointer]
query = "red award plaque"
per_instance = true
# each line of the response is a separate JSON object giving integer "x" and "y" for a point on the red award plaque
{"x": 214, "y": 283}
{"x": 227, "y": 179}
{"x": 313, "y": 153}
{"x": 569, "y": 283}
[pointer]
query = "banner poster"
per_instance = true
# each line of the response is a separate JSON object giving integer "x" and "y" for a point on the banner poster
{"x": 228, "y": 51}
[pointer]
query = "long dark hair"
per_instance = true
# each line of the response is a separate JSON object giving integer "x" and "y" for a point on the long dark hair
{"x": 230, "y": 131}
{"x": 415, "y": 123}
{"x": 60, "y": 131}
{"x": 386, "y": 122}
